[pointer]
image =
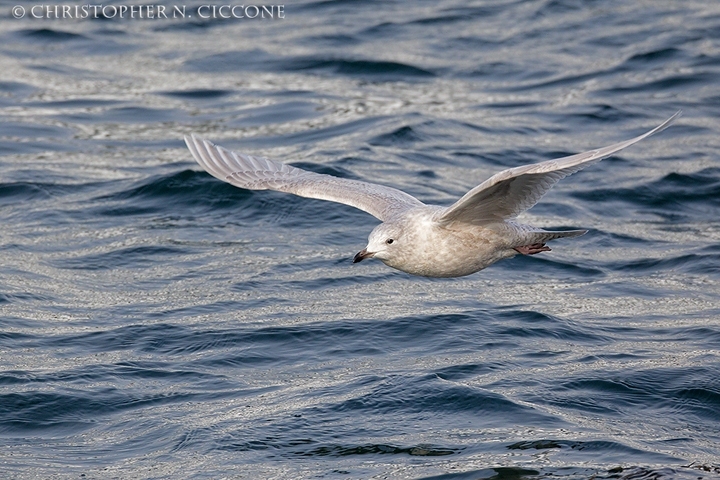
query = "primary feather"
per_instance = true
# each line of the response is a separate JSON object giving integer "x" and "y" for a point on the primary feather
{"x": 509, "y": 193}
{"x": 260, "y": 173}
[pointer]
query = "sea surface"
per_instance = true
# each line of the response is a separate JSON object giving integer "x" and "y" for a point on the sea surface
{"x": 158, "y": 323}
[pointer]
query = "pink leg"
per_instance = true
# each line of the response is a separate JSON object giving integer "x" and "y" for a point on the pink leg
{"x": 532, "y": 249}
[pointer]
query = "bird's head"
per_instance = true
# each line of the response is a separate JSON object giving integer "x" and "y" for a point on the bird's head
{"x": 384, "y": 243}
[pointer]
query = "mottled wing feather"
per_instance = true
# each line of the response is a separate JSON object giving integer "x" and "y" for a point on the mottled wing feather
{"x": 259, "y": 173}
{"x": 511, "y": 192}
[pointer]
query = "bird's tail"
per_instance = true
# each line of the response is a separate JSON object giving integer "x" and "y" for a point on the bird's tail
{"x": 543, "y": 236}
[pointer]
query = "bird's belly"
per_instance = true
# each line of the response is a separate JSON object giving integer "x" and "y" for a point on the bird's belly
{"x": 456, "y": 253}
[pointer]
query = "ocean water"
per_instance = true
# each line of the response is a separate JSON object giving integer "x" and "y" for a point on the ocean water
{"x": 158, "y": 323}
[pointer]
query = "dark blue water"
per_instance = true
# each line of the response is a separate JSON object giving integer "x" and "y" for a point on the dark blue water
{"x": 158, "y": 323}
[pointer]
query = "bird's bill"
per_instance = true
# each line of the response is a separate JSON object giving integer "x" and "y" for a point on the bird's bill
{"x": 362, "y": 255}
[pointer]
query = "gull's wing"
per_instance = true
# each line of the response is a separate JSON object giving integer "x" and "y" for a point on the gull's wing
{"x": 512, "y": 191}
{"x": 259, "y": 173}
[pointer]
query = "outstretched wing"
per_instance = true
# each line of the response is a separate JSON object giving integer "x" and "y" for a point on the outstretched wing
{"x": 512, "y": 191}
{"x": 259, "y": 173}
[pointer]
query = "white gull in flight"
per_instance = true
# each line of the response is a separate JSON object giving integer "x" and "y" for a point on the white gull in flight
{"x": 428, "y": 240}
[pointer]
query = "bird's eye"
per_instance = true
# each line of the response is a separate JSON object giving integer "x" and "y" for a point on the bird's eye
{"x": 389, "y": 241}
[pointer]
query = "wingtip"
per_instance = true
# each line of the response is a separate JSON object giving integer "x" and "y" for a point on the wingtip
{"x": 196, "y": 144}
{"x": 675, "y": 116}
{"x": 194, "y": 138}
{"x": 660, "y": 127}
{"x": 669, "y": 121}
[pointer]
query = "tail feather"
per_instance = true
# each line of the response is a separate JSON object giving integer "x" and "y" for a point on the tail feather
{"x": 542, "y": 236}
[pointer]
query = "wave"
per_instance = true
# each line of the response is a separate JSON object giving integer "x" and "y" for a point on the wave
{"x": 260, "y": 60}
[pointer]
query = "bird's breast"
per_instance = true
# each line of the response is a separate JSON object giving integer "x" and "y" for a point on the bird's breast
{"x": 455, "y": 250}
